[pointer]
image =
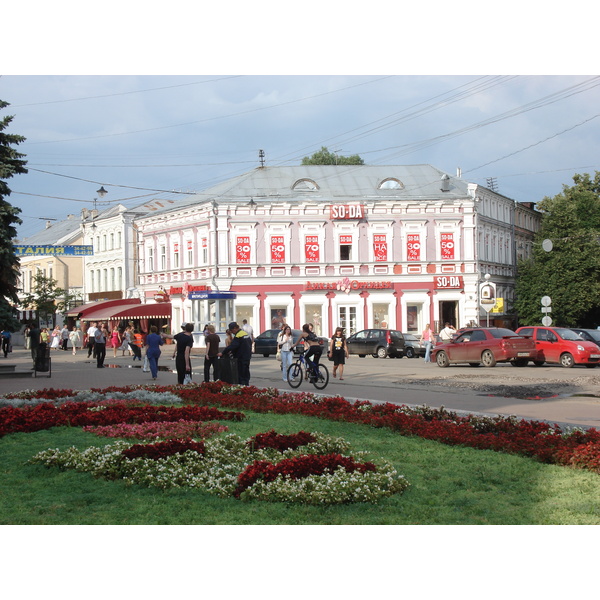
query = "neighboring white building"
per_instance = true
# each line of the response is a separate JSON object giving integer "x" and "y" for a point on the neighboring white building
{"x": 352, "y": 246}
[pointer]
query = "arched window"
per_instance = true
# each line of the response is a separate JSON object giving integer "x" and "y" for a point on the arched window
{"x": 305, "y": 185}
{"x": 390, "y": 183}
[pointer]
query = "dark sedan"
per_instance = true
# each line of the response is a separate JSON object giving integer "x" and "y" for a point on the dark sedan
{"x": 589, "y": 335}
{"x": 478, "y": 345}
{"x": 376, "y": 342}
{"x": 266, "y": 342}
{"x": 412, "y": 346}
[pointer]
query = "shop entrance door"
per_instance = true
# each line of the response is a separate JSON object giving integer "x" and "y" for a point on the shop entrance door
{"x": 449, "y": 313}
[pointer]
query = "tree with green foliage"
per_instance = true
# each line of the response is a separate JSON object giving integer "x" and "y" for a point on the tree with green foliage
{"x": 46, "y": 298}
{"x": 324, "y": 157}
{"x": 11, "y": 163}
{"x": 570, "y": 272}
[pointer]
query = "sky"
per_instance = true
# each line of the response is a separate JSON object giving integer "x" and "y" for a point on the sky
{"x": 151, "y": 100}
{"x": 146, "y": 135}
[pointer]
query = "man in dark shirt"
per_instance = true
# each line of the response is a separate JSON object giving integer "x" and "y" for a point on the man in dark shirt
{"x": 212, "y": 350}
{"x": 241, "y": 348}
{"x": 34, "y": 341}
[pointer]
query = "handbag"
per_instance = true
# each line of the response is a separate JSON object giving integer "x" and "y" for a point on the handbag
{"x": 330, "y": 357}
{"x": 278, "y": 355}
{"x": 146, "y": 366}
{"x": 187, "y": 379}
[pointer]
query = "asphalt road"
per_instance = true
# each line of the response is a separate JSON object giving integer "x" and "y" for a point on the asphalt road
{"x": 552, "y": 393}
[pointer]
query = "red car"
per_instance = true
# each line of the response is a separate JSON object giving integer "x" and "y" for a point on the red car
{"x": 562, "y": 346}
{"x": 486, "y": 346}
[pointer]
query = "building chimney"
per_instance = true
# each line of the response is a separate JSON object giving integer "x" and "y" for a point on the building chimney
{"x": 445, "y": 183}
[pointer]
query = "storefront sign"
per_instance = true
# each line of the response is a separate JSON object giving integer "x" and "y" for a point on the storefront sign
{"x": 413, "y": 247}
{"x": 44, "y": 250}
{"x": 311, "y": 248}
{"x": 187, "y": 288}
{"x": 277, "y": 249}
{"x": 176, "y": 247}
{"x": 353, "y": 285}
{"x": 442, "y": 282}
{"x": 212, "y": 295}
{"x": 345, "y": 239}
{"x": 347, "y": 211}
{"x": 189, "y": 244}
{"x": 242, "y": 250}
{"x": 447, "y": 246}
{"x": 380, "y": 248}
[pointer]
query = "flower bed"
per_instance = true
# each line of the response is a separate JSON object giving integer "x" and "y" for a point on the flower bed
{"x": 315, "y": 473}
{"x": 166, "y": 430}
{"x": 79, "y": 414}
{"x": 539, "y": 440}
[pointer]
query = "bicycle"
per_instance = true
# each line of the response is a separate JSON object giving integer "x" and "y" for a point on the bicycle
{"x": 319, "y": 374}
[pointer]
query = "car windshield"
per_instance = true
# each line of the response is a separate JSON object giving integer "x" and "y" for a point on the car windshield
{"x": 567, "y": 334}
{"x": 500, "y": 333}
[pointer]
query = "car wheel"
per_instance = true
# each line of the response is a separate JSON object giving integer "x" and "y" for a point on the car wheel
{"x": 474, "y": 364}
{"x": 442, "y": 359}
{"x": 538, "y": 363}
{"x": 567, "y": 360}
{"x": 381, "y": 353}
{"x": 410, "y": 353}
{"x": 487, "y": 358}
{"x": 519, "y": 362}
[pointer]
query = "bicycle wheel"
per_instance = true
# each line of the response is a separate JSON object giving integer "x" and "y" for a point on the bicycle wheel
{"x": 294, "y": 375}
{"x": 321, "y": 381}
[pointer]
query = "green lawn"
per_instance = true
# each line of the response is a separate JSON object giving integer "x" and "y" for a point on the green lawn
{"x": 449, "y": 485}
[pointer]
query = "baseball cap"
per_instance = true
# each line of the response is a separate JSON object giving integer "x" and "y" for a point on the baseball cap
{"x": 233, "y": 325}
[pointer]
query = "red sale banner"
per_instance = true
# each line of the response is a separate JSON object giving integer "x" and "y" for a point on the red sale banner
{"x": 447, "y": 246}
{"x": 242, "y": 250}
{"x": 311, "y": 248}
{"x": 176, "y": 247}
{"x": 277, "y": 249}
{"x": 380, "y": 248}
{"x": 189, "y": 244}
{"x": 345, "y": 239}
{"x": 413, "y": 247}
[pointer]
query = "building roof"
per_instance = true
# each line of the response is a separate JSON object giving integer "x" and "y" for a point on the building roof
{"x": 322, "y": 183}
{"x": 415, "y": 182}
{"x": 56, "y": 232}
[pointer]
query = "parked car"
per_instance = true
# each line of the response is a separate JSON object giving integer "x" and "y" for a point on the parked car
{"x": 266, "y": 342}
{"x": 589, "y": 335}
{"x": 486, "y": 346}
{"x": 413, "y": 346}
{"x": 377, "y": 342}
{"x": 562, "y": 346}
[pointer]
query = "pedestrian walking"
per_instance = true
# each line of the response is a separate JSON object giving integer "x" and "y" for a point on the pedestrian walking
{"x": 75, "y": 339}
{"x": 285, "y": 345}
{"x": 56, "y": 338}
{"x": 136, "y": 345}
{"x": 185, "y": 342}
{"x": 91, "y": 333}
{"x": 241, "y": 349}
{"x": 338, "y": 352}
{"x": 26, "y": 337}
{"x": 212, "y": 350}
{"x": 125, "y": 345}
{"x": 34, "y": 341}
{"x": 115, "y": 340}
{"x": 64, "y": 337}
{"x": 427, "y": 339}
{"x": 6, "y": 342}
{"x": 100, "y": 336}
{"x": 153, "y": 343}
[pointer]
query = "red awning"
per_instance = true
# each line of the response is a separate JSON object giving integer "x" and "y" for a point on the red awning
{"x": 160, "y": 310}
{"x": 84, "y": 309}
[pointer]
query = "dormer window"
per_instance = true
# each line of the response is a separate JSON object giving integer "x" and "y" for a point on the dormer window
{"x": 305, "y": 185}
{"x": 391, "y": 183}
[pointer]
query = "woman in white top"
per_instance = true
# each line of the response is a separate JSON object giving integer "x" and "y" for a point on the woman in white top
{"x": 75, "y": 339}
{"x": 56, "y": 337}
{"x": 285, "y": 341}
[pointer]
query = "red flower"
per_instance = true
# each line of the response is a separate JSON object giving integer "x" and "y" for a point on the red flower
{"x": 163, "y": 449}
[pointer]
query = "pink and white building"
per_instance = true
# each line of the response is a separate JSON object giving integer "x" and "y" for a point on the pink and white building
{"x": 352, "y": 246}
